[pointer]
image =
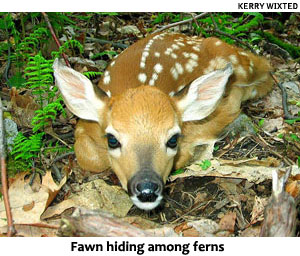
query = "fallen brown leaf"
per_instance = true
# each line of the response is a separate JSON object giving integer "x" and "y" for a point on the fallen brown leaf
{"x": 228, "y": 221}
{"x": 27, "y": 203}
{"x": 293, "y": 188}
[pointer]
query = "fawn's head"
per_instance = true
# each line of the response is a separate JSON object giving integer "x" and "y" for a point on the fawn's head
{"x": 143, "y": 126}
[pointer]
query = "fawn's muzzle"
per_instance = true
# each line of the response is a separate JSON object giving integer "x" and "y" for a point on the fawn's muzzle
{"x": 145, "y": 189}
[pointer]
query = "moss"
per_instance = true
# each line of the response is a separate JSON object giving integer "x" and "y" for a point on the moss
{"x": 294, "y": 51}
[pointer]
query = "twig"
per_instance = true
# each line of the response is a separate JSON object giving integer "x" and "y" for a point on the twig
{"x": 286, "y": 114}
{"x": 262, "y": 143}
{"x": 56, "y": 172}
{"x": 59, "y": 139}
{"x": 101, "y": 41}
{"x": 217, "y": 30}
{"x": 63, "y": 156}
{"x": 55, "y": 38}
{"x": 195, "y": 20}
{"x": 10, "y": 226}
{"x": 181, "y": 22}
{"x": 55, "y": 168}
{"x": 8, "y": 63}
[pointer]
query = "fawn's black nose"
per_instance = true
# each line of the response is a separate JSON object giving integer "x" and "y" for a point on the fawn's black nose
{"x": 145, "y": 189}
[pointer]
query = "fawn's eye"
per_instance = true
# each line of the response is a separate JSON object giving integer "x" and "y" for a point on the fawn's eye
{"x": 172, "y": 143}
{"x": 112, "y": 142}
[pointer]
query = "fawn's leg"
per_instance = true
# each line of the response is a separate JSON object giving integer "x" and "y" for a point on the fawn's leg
{"x": 91, "y": 147}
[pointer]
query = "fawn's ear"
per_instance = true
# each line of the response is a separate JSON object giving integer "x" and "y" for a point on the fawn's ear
{"x": 79, "y": 93}
{"x": 204, "y": 94}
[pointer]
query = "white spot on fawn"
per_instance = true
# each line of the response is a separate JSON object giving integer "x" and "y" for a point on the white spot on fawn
{"x": 196, "y": 48}
{"x": 218, "y": 43}
{"x": 244, "y": 53}
{"x": 157, "y": 54}
{"x": 186, "y": 54}
{"x": 142, "y": 64}
{"x": 168, "y": 51}
{"x": 142, "y": 77}
{"x": 154, "y": 76}
{"x": 251, "y": 66}
{"x": 145, "y": 54}
{"x": 190, "y": 65}
{"x": 179, "y": 68}
{"x": 151, "y": 82}
{"x": 233, "y": 59}
{"x": 174, "y": 73}
{"x": 106, "y": 78}
{"x": 172, "y": 93}
{"x": 113, "y": 63}
{"x": 194, "y": 56}
{"x": 214, "y": 64}
{"x": 153, "y": 79}
{"x": 180, "y": 88}
{"x": 108, "y": 93}
{"x": 173, "y": 55}
{"x": 241, "y": 71}
{"x": 158, "y": 68}
{"x": 180, "y": 44}
{"x": 175, "y": 46}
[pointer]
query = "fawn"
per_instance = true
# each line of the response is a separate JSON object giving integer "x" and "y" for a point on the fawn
{"x": 159, "y": 99}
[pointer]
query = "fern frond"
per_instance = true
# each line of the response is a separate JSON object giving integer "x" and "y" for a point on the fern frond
{"x": 92, "y": 74}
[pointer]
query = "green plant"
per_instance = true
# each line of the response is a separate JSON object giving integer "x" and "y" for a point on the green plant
{"x": 71, "y": 44}
{"x": 110, "y": 54}
{"x": 92, "y": 74}
{"x": 7, "y": 24}
{"x": 40, "y": 79}
{"x": 30, "y": 45}
{"x": 57, "y": 148}
{"x": 46, "y": 114}
{"x": 261, "y": 122}
{"x": 205, "y": 164}
{"x": 35, "y": 72}
{"x": 178, "y": 171}
{"x": 293, "y": 50}
{"x": 27, "y": 149}
{"x": 216, "y": 147}
{"x": 232, "y": 26}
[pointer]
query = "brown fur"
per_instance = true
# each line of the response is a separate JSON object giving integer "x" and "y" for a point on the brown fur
{"x": 128, "y": 110}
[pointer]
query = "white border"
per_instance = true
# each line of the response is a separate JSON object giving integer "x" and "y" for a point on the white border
{"x": 138, "y": 6}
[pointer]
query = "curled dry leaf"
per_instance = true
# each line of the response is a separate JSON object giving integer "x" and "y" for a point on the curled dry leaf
{"x": 258, "y": 209}
{"x": 293, "y": 188}
{"x": 29, "y": 203}
{"x": 23, "y": 108}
